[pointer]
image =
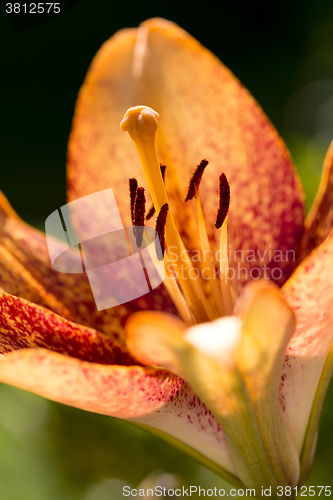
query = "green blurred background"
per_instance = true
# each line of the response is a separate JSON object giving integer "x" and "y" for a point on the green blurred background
{"x": 283, "y": 52}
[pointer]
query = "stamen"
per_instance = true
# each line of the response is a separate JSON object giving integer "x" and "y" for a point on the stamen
{"x": 207, "y": 264}
{"x": 139, "y": 215}
{"x": 224, "y": 270}
{"x": 195, "y": 180}
{"x": 141, "y": 124}
{"x": 208, "y": 261}
{"x": 221, "y": 221}
{"x": 151, "y": 211}
{"x": 224, "y": 201}
{"x": 133, "y": 186}
{"x": 163, "y": 167}
{"x": 177, "y": 297}
{"x": 160, "y": 231}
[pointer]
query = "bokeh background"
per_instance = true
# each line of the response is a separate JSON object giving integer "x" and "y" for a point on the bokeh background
{"x": 283, "y": 52}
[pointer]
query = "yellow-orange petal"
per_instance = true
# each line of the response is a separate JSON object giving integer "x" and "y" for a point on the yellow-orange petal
{"x": 119, "y": 391}
{"x": 319, "y": 222}
{"x": 204, "y": 112}
{"x": 46, "y": 354}
{"x": 309, "y": 293}
{"x": 55, "y": 358}
{"x": 153, "y": 399}
{"x": 26, "y": 271}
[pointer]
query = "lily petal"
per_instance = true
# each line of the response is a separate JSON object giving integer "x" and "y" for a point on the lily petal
{"x": 17, "y": 280}
{"x": 158, "y": 338}
{"x": 268, "y": 325}
{"x": 50, "y": 356}
{"x": 187, "y": 423}
{"x": 211, "y": 357}
{"x": 66, "y": 362}
{"x": 25, "y": 325}
{"x": 119, "y": 391}
{"x": 204, "y": 112}
{"x": 319, "y": 222}
{"x": 309, "y": 293}
{"x": 311, "y": 436}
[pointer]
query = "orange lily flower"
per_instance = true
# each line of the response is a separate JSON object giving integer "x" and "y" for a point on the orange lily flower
{"x": 237, "y": 380}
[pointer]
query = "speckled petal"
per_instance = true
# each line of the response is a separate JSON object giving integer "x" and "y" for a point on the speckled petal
{"x": 119, "y": 391}
{"x": 152, "y": 399}
{"x": 309, "y": 293}
{"x": 204, "y": 113}
{"x": 206, "y": 357}
{"x": 311, "y": 436}
{"x": 26, "y": 271}
{"x": 50, "y": 356}
{"x": 319, "y": 222}
{"x": 66, "y": 362}
{"x": 25, "y": 325}
{"x": 160, "y": 339}
{"x": 185, "y": 420}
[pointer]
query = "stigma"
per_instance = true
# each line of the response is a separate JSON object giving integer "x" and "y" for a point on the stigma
{"x": 199, "y": 296}
{"x": 140, "y": 122}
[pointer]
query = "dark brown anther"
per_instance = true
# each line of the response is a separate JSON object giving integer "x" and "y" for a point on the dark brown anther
{"x": 163, "y": 167}
{"x": 195, "y": 180}
{"x": 133, "y": 186}
{"x": 160, "y": 231}
{"x": 224, "y": 201}
{"x": 151, "y": 211}
{"x": 139, "y": 215}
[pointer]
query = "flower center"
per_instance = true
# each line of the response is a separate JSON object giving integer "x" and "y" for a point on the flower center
{"x": 198, "y": 297}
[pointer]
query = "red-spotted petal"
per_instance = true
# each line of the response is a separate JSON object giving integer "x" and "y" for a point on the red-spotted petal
{"x": 204, "y": 113}
{"x": 26, "y": 271}
{"x": 309, "y": 293}
{"x": 25, "y": 325}
{"x": 55, "y": 358}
